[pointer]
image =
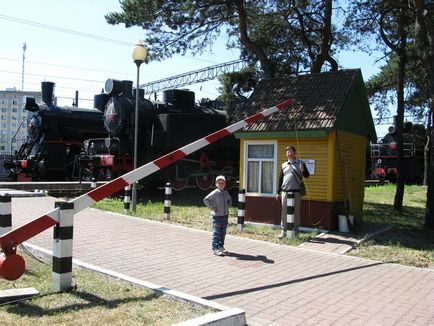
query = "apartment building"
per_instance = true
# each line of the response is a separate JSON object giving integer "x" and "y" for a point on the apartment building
{"x": 13, "y": 118}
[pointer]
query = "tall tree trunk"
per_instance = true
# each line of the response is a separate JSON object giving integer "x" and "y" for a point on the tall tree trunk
{"x": 266, "y": 64}
{"x": 424, "y": 35}
{"x": 400, "y": 49}
{"x": 426, "y": 150}
{"x": 399, "y": 195}
{"x": 324, "y": 53}
{"x": 429, "y": 211}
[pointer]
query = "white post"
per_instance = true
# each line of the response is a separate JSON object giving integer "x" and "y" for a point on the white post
{"x": 290, "y": 201}
{"x": 127, "y": 199}
{"x": 241, "y": 208}
{"x": 167, "y": 200}
{"x": 5, "y": 214}
{"x": 62, "y": 247}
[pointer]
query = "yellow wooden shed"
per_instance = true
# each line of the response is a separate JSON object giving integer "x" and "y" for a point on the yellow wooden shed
{"x": 330, "y": 124}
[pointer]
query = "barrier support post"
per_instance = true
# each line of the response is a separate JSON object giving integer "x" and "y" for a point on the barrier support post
{"x": 167, "y": 200}
{"x": 62, "y": 247}
{"x": 127, "y": 199}
{"x": 290, "y": 201}
{"x": 5, "y": 214}
{"x": 241, "y": 208}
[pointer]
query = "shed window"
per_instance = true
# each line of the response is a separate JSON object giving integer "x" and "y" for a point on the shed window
{"x": 260, "y": 168}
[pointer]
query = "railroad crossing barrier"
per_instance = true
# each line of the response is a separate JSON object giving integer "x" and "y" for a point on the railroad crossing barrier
{"x": 12, "y": 266}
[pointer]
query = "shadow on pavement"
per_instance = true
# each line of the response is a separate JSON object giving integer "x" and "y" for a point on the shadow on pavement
{"x": 250, "y": 257}
{"x": 275, "y": 285}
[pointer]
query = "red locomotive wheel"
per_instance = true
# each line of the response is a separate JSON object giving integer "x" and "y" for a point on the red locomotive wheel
{"x": 230, "y": 182}
{"x": 179, "y": 184}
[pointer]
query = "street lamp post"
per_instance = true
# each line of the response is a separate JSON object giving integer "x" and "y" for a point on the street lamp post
{"x": 139, "y": 56}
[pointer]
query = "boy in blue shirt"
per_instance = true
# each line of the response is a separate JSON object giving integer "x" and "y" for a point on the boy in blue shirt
{"x": 219, "y": 202}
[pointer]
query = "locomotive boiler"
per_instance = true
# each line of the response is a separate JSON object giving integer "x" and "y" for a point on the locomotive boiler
{"x": 55, "y": 137}
{"x": 162, "y": 127}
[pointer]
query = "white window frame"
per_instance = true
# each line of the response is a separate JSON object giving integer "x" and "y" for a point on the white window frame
{"x": 245, "y": 169}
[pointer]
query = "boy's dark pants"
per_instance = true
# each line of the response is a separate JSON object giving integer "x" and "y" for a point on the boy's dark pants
{"x": 219, "y": 226}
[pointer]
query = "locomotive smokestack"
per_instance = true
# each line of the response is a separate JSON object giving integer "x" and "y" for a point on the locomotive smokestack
{"x": 100, "y": 101}
{"x": 127, "y": 85}
{"x": 47, "y": 92}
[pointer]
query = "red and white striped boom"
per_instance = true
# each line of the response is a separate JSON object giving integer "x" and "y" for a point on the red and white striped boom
{"x": 10, "y": 240}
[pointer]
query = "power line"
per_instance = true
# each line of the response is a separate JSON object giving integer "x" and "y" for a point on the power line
{"x": 70, "y": 31}
{"x": 64, "y": 30}
{"x": 65, "y": 66}
{"x": 53, "y": 76}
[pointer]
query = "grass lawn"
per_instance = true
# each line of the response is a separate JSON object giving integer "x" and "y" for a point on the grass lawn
{"x": 97, "y": 300}
{"x": 408, "y": 242}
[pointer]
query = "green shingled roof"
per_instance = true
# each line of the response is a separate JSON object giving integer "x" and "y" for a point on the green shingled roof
{"x": 325, "y": 101}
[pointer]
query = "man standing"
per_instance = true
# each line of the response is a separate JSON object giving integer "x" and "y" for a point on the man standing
{"x": 290, "y": 179}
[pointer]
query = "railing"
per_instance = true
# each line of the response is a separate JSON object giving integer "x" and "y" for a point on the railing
{"x": 391, "y": 149}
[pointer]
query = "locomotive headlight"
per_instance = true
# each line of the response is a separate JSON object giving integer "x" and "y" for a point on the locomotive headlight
{"x": 86, "y": 146}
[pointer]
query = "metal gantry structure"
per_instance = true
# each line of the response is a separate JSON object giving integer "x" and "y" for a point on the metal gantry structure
{"x": 193, "y": 77}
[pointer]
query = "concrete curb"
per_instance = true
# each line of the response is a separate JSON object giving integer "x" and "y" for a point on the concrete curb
{"x": 226, "y": 316}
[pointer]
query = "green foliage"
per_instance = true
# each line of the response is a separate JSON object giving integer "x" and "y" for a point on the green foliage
{"x": 284, "y": 36}
{"x": 363, "y": 20}
{"x": 175, "y": 27}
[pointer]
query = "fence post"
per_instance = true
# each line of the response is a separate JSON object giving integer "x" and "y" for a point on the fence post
{"x": 167, "y": 200}
{"x": 5, "y": 214}
{"x": 290, "y": 200}
{"x": 62, "y": 247}
{"x": 127, "y": 199}
{"x": 241, "y": 208}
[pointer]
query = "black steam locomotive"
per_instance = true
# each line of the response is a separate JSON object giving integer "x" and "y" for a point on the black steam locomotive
{"x": 55, "y": 137}
{"x": 162, "y": 127}
{"x": 383, "y": 156}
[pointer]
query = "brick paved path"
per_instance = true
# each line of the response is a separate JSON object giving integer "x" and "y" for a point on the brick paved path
{"x": 274, "y": 284}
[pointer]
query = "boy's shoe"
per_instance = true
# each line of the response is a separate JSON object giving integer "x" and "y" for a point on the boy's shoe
{"x": 223, "y": 250}
{"x": 282, "y": 234}
{"x": 217, "y": 252}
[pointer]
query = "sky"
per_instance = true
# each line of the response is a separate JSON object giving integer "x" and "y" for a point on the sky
{"x": 71, "y": 44}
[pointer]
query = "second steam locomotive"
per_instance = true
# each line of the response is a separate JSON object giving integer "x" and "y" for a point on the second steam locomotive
{"x": 162, "y": 127}
{"x": 383, "y": 157}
